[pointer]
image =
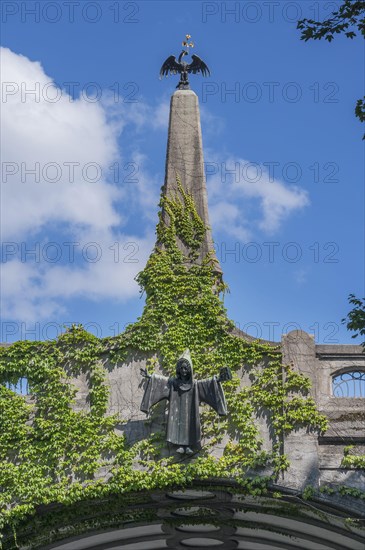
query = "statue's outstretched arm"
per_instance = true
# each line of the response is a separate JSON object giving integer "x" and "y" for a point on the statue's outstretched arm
{"x": 145, "y": 373}
{"x": 224, "y": 374}
{"x": 157, "y": 389}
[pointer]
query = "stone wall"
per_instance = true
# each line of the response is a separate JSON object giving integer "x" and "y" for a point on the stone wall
{"x": 318, "y": 460}
{"x": 313, "y": 460}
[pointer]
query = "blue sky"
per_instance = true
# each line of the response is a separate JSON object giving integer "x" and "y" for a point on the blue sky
{"x": 278, "y": 112}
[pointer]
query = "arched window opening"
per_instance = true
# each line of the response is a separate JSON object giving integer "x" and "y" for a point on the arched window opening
{"x": 21, "y": 387}
{"x": 349, "y": 384}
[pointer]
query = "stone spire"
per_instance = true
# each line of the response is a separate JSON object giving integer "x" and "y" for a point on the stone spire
{"x": 184, "y": 158}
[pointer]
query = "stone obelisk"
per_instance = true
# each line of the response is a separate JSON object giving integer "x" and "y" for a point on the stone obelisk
{"x": 184, "y": 156}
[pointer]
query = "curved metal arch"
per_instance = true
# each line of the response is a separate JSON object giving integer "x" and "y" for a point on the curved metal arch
{"x": 203, "y": 517}
{"x": 350, "y": 383}
{"x": 355, "y": 366}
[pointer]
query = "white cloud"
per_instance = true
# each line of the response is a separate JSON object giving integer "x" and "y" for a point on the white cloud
{"x": 55, "y": 134}
{"x": 252, "y": 198}
{"x": 105, "y": 267}
{"x": 48, "y": 136}
{"x": 227, "y": 217}
{"x": 146, "y": 189}
{"x": 161, "y": 114}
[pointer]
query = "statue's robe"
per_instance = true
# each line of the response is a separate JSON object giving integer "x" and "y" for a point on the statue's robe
{"x": 183, "y": 424}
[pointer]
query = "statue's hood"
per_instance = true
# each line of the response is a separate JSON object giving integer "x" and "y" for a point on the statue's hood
{"x": 188, "y": 385}
{"x": 186, "y": 355}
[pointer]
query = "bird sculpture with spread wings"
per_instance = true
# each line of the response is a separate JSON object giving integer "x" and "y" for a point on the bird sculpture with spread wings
{"x": 173, "y": 66}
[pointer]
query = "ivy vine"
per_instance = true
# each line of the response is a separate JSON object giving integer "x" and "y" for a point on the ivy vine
{"x": 51, "y": 451}
{"x": 351, "y": 459}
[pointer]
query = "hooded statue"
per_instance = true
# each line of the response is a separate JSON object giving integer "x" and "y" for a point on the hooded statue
{"x": 184, "y": 395}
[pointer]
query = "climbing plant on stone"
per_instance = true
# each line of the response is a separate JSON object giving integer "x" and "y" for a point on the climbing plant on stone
{"x": 184, "y": 309}
{"x": 52, "y": 452}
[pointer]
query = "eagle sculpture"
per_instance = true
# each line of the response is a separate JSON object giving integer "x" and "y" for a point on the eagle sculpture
{"x": 171, "y": 66}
